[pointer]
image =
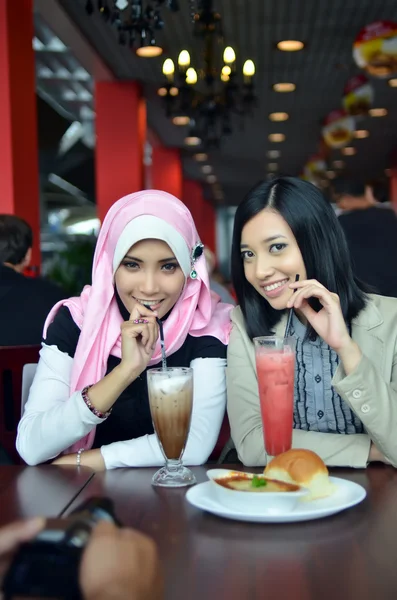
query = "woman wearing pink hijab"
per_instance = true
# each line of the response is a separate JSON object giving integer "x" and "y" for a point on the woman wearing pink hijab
{"x": 89, "y": 397}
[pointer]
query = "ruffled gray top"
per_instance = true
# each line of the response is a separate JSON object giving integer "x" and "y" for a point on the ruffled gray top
{"x": 317, "y": 407}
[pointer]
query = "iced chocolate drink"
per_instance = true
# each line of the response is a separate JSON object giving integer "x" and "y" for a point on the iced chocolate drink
{"x": 171, "y": 401}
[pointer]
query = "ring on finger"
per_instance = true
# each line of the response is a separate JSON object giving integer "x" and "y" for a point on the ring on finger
{"x": 140, "y": 321}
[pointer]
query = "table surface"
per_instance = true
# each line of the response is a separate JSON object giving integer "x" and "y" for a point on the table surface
{"x": 346, "y": 556}
{"x": 45, "y": 490}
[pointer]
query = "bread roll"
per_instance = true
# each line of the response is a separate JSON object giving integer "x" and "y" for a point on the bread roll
{"x": 302, "y": 467}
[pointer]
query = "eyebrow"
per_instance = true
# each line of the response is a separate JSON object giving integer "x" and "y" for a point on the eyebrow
{"x": 267, "y": 240}
{"x": 139, "y": 260}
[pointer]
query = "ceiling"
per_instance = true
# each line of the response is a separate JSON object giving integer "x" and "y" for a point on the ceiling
{"x": 253, "y": 27}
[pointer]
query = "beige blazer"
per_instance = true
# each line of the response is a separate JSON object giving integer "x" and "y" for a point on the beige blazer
{"x": 370, "y": 391}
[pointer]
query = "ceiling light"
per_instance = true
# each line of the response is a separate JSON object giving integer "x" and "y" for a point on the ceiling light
{"x": 211, "y": 109}
{"x": 276, "y": 137}
{"x": 273, "y": 153}
{"x": 331, "y": 174}
{"x": 211, "y": 179}
{"x": 174, "y": 91}
{"x": 393, "y": 82}
{"x": 279, "y": 116}
{"x": 229, "y": 55}
{"x": 168, "y": 68}
{"x": 149, "y": 51}
{"x": 249, "y": 68}
{"x": 201, "y": 156}
{"x": 272, "y": 167}
{"x": 191, "y": 76}
{"x": 290, "y": 45}
{"x": 338, "y": 164}
{"x": 207, "y": 169}
{"x": 378, "y": 112}
{"x": 360, "y": 134}
{"x": 134, "y": 22}
{"x": 348, "y": 151}
{"x": 184, "y": 59}
{"x": 162, "y": 91}
{"x": 192, "y": 140}
{"x": 284, "y": 87}
{"x": 181, "y": 120}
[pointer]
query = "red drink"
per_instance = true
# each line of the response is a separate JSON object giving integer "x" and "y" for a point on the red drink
{"x": 275, "y": 371}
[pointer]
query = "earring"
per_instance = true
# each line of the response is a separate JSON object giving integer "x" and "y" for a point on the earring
{"x": 197, "y": 251}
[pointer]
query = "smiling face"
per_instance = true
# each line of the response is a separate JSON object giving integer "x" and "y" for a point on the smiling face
{"x": 149, "y": 273}
{"x": 271, "y": 257}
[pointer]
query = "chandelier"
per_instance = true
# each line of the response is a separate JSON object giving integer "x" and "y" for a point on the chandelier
{"x": 208, "y": 98}
{"x": 135, "y": 20}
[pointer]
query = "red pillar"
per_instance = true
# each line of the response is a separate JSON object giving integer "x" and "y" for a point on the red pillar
{"x": 202, "y": 211}
{"x": 120, "y": 138}
{"x": 19, "y": 166}
{"x": 167, "y": 170}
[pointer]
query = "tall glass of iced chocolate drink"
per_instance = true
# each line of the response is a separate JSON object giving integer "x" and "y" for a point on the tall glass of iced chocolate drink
{"x": 171, "y": 402}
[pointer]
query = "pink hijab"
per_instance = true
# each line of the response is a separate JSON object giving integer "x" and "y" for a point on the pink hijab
{"x": 198, "y": 311}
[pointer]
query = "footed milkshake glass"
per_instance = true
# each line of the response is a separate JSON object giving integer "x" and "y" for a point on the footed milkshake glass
{"x": 171, "y": 402}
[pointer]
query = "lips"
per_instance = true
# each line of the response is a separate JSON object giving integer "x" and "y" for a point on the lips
{"x": 153, "y": 304}
{"x": 276, "y": 289}
{"x": 276, "y": 284}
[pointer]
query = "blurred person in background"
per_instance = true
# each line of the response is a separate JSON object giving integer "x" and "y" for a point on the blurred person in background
{"x": 216, "y": 279}
{"x": 24, "y": 301}
{"x": 370, "y": 228}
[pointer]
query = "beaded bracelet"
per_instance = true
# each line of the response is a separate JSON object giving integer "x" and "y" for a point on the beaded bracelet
{"x": 87, "y": 401}
{"x": 78, "y": 456}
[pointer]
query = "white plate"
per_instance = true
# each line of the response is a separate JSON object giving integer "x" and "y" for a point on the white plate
{"x": 346, "y": 495}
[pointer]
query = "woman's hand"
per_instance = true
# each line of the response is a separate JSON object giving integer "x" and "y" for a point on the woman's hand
{"x": 89, "y": 458}
{"x": 120, "y": 564}
{"x": 138, "y": 339}
{"x": 13, "y": 535}
{"x": 328, "y": 323}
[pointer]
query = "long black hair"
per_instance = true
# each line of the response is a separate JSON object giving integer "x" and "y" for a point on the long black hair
{"x": 320, "y": 239}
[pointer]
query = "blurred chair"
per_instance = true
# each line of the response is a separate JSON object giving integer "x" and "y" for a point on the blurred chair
{"x": 224, "y": 450}
{"x": 12, "y": 361}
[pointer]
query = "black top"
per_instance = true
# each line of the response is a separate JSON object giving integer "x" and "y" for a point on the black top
{"x": 371, "y": 236}
{"x": 130, "y": 417}
{"x": 24, "y": 305}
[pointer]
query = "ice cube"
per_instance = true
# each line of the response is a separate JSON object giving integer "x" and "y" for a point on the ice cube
{"x": 168, "y": 385}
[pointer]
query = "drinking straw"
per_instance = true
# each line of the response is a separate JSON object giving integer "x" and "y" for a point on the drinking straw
{"x": 291, "y": 310}
{"x": 162, "y": 343}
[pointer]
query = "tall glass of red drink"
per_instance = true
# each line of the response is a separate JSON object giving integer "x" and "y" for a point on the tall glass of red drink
{"x": 275, "y": 367}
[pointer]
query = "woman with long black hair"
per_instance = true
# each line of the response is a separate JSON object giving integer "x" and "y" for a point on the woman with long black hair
{"x": 345, "y": 392}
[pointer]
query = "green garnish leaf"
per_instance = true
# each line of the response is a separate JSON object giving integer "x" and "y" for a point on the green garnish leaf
{"x": 258, "y": 481}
